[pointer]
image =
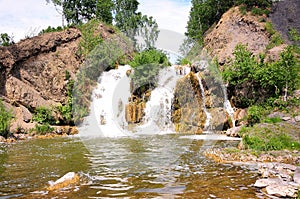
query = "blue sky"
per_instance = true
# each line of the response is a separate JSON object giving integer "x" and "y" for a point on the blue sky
{"x": 27, "y": 17}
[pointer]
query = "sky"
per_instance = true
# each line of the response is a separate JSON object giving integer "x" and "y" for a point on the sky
{"x": 20, "y": 18}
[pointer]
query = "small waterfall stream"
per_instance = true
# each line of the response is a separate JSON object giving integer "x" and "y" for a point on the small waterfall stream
{"x": 158, "y": 109}
{"x": 208, "y": 115}
{"x": 227, "y": 106}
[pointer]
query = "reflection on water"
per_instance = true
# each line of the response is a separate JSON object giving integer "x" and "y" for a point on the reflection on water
{"x": 160, "y": 166}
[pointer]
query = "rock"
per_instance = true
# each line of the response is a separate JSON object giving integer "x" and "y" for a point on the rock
{"x": 68, "y": 179}
{"x": 232, "y": 29}
{"x": 281, "y": 191}
{"x": 297, "y": 176}
{"x": 286, "y": 118}
{"x": 187, "y": 106}
{"x": 2, "y": 139}
{"x": 297, "y": 118}
{"x": 233, "y": 132}
{"x": 134, "y": 111}
{"x": 261, "y": 183}
{"x": 240, "y": 114}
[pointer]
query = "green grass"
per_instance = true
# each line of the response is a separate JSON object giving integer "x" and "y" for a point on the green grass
{"x": 43, "y": 129}
{"x": 269, "y": 137}
{"x": 272, "y": 120}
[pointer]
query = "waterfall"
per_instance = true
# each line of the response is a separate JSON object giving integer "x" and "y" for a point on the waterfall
{"x": 227, "y": 106}
{"x": 157, "y": 117}
{"x": 208, "y": 115}
{"x": 109, "y": 100}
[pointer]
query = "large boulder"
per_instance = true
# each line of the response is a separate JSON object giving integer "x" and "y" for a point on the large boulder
{"x": 187, "y": 106}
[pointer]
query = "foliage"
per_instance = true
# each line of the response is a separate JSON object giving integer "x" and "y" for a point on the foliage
{"x": 276, "y": 40}
{"x": 254, "y": 115}
{"x": 148, "y": 32}
{"x": 133, "y": 24}
{"x": 274, "y": 78}
{"x": 5, "y": 39}
{"x": 43, "y": 115}
{"x": 67, "y": 109}
{"x": 146, "y": 68}
{"x": 89, "y": 39}
{"x": 51, "y": 29}
{"x": 294, "y": 35}
{"x": 83, "y": 10}
{"x": 5, "y": 119}
{"x": 43, "y": 129}
{"x": 272, "y": 120}
{"x": 150, "y": 56}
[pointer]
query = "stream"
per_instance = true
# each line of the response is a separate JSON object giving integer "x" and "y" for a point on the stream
{"x": 146, "y": 166}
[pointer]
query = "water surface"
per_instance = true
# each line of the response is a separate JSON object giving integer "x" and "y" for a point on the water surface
{"x": 157, "y": 166}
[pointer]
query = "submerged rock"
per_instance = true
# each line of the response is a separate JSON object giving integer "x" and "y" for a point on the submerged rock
{"x": 68, "y": 179}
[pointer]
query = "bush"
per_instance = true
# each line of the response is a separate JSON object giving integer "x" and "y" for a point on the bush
{"x": 43, "y": 129}
{"x": 146, "y": 68}
{"x": 150, "y": 56}
{"x": 263, "y": 80}
{"x": 51, "y": 29}
{"x": 89, "y": 39}
{"x": 254, "y": 115}
{"x": 43, "y": 115}
{"x": 5, "y": 119}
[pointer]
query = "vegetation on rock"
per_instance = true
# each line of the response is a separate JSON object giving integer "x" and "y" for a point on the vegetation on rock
{"x": 204, "y": 13}
{"x": 147, "y": 65}
{"x": 264, "y": 79}
{"x": 5, "y": 119}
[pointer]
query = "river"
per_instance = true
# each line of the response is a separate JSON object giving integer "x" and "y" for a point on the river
{"x": 146, "y": 166}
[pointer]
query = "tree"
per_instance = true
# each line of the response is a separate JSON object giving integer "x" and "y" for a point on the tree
{"x": 77, "y": 11}
{"x": 5, "y": 39}
{"x": 148, "y": 31}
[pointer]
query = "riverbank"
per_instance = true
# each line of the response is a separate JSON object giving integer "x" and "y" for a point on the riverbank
{"x": 58, "y": 131}
{"x": 272, "y": 150}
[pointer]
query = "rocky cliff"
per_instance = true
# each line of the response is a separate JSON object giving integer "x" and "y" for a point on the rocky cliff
{"x": 232, "y": 29}
{"x": 35, "y": 71}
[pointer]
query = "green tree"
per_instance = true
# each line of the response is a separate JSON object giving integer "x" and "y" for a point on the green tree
{"x": 5, "y": 119}
{"x": 77, "y": 11}
{"x": 5, "y": 39}
{"x": 148, "y": 31}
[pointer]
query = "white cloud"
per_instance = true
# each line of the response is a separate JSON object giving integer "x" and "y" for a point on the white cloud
{"x": 20, "y": 18}
{"x": 169, "y": 14}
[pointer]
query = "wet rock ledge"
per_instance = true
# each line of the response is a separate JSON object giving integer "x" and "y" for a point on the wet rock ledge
{"x": 279, "y": 170}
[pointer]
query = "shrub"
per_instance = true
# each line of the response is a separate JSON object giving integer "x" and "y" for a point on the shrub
{"x": 5, "y": 119}
{"x": 254, "y": 115}
{"x": 43, "y": 115}
{"x": 89, "y": 39}
{"x": 150, "y": 56}
{"x": 51, "y": 29}
{"x": 43, "y": 129}
{"x": 146, "y": 68}
{"x": 294, "y": 35}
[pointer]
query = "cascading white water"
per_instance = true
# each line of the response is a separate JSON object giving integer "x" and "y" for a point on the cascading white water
{"x": 227, "y": 106}
{"x": 109, "y": 100}
{"x": 157, "y": 117}
{"x": 208, "y": 115}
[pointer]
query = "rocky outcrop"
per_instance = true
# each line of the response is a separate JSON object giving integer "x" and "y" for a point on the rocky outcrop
{"x": 35, "y": 72}
{"x": 232, "y": 29}
{"x": 134, "y": 111}
{"x": 188, "y": 115}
